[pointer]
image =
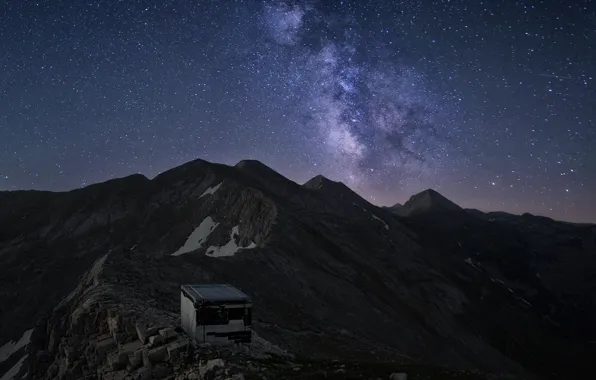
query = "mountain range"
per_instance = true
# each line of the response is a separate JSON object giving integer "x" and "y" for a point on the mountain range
{"x": 428, "y": 286}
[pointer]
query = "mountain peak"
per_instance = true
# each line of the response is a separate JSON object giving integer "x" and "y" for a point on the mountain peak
{"x": 428, "y": 200}
{"x": 320, "y": 181}
{"x": 332, "y": 188}
{"x": 249, "y": 164}
{"x": 265, "y": 176}
{"x": 258, "y": 170}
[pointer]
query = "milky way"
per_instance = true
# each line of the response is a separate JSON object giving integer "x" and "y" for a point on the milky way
{"x": 367, "y": 115}
{"x": 492, "y": 103}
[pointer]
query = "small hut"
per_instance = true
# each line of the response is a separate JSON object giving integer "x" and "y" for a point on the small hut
{"x": 216, "y": 313}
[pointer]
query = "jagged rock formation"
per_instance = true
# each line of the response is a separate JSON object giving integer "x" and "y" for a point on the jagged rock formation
{"x": 96, "y": 272}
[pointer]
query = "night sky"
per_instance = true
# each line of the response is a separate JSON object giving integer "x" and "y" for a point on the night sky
{"x": 492, "y": 103}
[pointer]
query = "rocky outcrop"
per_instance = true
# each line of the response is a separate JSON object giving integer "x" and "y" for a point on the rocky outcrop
{"x": 99, "y": 332}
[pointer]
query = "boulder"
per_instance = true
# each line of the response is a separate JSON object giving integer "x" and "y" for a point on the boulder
{"x": 176, "y": 348}
{"x": 117, "y": 361}
{"x": 167, "y": 333}
{"x": 104, "y": 336}
{"x": 145, "y": 373}
{"x": 156, "y": 340}
{"x": 146, "y": 361}
{"x": 158, "y": 354}
{"x": 153, "y": 330}
{"x": 131, "y": 347}
{"x": 142, "y": 333}
{"x": 103, "y": 346}
{"x": 135, "y": 360}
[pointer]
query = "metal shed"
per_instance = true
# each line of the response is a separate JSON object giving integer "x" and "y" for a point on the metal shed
{"x": 216, "y": 313}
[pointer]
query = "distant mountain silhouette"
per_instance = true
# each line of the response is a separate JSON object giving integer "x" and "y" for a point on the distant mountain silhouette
{"x": 428, "y": 201}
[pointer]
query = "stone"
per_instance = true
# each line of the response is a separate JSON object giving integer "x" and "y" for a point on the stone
{"x": 117, "y": 361}
{"x": 120, "y": 337}
{"x": 158, "y": 354}
{"x": 156, "y": 340}
{"x": 153, "y": 331}
{"x": 167, "y": 333}
{"x": 115, "y": 375}
{"x": 135, "y": 360}
{"x": 176, "y": 348}
{"x": 131, "y": 347}
{"x": 113, "y": 324}
{"x": 146, "y": 361}
{"x": 145, "y": 373}
{"x": 105, "y": 345}
{"x": 141, "y": 333}
{"x": 398, "y": 376}
{"x": 104, "y": 337}
{"x": 161, "y": 371}
{"x": 129, "y": 328}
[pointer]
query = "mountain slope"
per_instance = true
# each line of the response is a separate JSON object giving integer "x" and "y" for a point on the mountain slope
{"x": 330, "y": 276}
{"x": 543, "y": 265}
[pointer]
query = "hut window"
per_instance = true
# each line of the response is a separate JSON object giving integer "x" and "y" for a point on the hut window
{"x": 236, "y": 313}
{"x": 213, "y": 316}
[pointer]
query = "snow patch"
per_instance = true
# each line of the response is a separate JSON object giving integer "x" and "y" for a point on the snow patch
{"x": 381, "y": 220}
{"x": 197, "y": 237}
{"x": 230, "y": 248}
{"x": 524, "y": 301}
{"x": 211, "y": 190}
{"x": 11, "y": 347}
{"x": 469, "y": 261}
{"x": 11, "y": 373}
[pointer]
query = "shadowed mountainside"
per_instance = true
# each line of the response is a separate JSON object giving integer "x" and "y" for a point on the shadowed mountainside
{"x": 331, "y": 275}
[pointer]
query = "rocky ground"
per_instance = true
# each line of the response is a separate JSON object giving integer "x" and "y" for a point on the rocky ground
{"x": 96, "y": 334}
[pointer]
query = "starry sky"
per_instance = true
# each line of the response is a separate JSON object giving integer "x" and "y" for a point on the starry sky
{"x": 491, "y": 103}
